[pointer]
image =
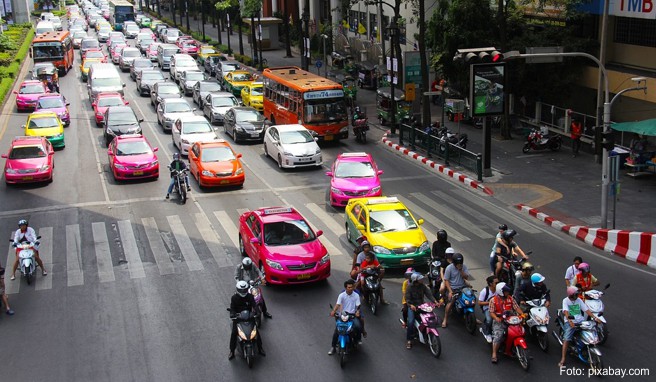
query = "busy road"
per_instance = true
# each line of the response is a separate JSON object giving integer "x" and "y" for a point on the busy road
{"x": 138, "y": 285}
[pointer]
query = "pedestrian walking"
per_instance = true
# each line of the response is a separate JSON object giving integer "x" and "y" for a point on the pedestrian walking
{"x": 576, "y": 131}
{"x": 3, "y": 295}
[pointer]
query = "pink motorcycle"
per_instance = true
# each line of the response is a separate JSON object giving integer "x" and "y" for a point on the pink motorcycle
{"x": 426, "y": 326}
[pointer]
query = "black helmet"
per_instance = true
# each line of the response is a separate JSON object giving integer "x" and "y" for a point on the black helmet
{"x": 442, "y": 235}
{"x": 458, "y": 258}
{"x": 508, "y": 235}
{"x": 503, "y": 227}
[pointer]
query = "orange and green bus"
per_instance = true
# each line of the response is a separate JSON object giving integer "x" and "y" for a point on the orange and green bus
{"x": 55, "y": 47}
{"x": 292, "y": 96}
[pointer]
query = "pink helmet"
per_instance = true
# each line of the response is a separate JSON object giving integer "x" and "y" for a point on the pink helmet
{"x": 584, "y": 267}
{"x": 572, "y": 290}
{"x": 409, "y": 272}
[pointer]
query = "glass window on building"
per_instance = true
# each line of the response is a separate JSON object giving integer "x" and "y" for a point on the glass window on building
{"x": 635, "y": 31}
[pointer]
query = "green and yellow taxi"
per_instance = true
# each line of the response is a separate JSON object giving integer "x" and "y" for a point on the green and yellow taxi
{"x": 394, "y": 234}
{"x": 205, "y": 51}
{"x": 154, "y": 23}
{"x": 85, "y": 65}
{"x": 145, "y": 22}
{"x": 253, "y": 95}
{"x": 236, "y": 80}
{"x": 45, "y": 123}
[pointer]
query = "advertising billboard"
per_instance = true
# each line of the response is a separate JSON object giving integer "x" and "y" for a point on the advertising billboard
{"x": 486, "y": 85}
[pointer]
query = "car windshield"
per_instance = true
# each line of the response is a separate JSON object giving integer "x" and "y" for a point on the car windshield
{"x": 168, "y": 89}
{"x": 214, "y": 59}
{"x": 87, "y": 63}
{"x": 194, "y": 76}
{"x": 229, "y": 67}
{"x": 185, "y": 63}
{"x": 199, "y": 127}
{"x": 80, "y": 34}
{"x": 188, "y": 44}
{"x": 132, "y": 28}
{"x": 257, "y": 91}
{"x": 104, "y": 30}
{"x": 177, "y": 107}
{"x": 131, "y": 53}
{"x": 391, "y": 220}
{"x": 122, "y": 118}
{"x": 248, "y": 116}
{"x": 43, "y": 122}
{"x": 51, "y": 103}
{"x": 152, "y": 76}
{"x": 242, "y": 77}
{"x": 133, "y": 148}
{"x": 88, "y": 44}
{"x": 217, "y": 154}
{"x": 170, "y": 52}
{"x": 95, "y": 54}
{"x": 26, "y": 152}
{"x": 224, "y": 101}
{"x": 142, "y": 63}
{"x": 207, "y": 51}
{"x": 297, "y": 136}
{"x": 106, "y": 82}
{"x": 144, "y": 35}
{"x": 146, "y": 41}
{"x": 354, "y": 170}
{"x": 110, "y": 101}
{"x": 210, "y": 87}
{"x": 32, "y": 89}
{"x": 289, "y": 232}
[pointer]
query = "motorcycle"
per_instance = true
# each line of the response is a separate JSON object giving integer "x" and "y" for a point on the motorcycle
{"x": 511, "y": 270}
{"x": 346, "y": 343}
{"x": 179, "y": 185}
{"x": 447, "y": 137}
{"x": 514, "y": 343}
{"x": 426, "y": 323}
{"x": 26, "y": 259}
{"x": 256, "y": 291}
{"x": 434, "y": 278}
{"x": 465, "y": 302}
{"x": 536, "y": 141}
{"x": 584, "y": 343}
{"x": 246, "y": 334}
{"x": 360, "y": 124}
{"x": 371, "y": 290}
{"x": 539, "y": 321}
{"x": 593, "y": 301}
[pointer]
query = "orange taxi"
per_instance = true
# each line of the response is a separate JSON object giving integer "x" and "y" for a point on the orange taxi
{"x": 215, "y": 164}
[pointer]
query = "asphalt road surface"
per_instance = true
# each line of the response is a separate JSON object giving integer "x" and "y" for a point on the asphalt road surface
{"x": 138, "y": 285}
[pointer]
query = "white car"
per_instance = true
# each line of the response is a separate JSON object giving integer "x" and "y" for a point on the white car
{"x": 181, "y": 62}
{"x": 189, "y": 130}
{"x": 172, "y": 109}
{"x": 292, "y": 146}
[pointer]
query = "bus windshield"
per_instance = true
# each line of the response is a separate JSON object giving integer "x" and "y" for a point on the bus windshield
{"x": 48, "y": 50}
{"x": 325, "y": 111}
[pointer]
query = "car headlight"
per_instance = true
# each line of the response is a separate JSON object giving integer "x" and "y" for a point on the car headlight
{"x": 207, "y": 173}
{"x": 119, "y": 166}
{"x": 324, "y": 259}
{"x": 154, "y": 163}
{"x": 11, "y": 171}
{"x": 335, "y": 190}
{"x": 239, "y": 171}
{"x": 168, "y": 119}
{"x": 274, "y": 264}
{"x": 45, "y": 167}
{"x": 186, "y": 142}
{"x": 287, "y": 154}
{"x": 375, "y": 190}
{"x": 425, "y": 246}
{"x": 318, "y": 151}
{"x": 381, "y": 250}
{"x": 343, "y": 129}
{"x": 239, "y": 128}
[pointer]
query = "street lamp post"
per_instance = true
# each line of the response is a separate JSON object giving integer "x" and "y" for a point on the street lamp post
{"x": 325, "y": 62}
{"x": 228, "y": 26}
{"x": 259, "y": 40}
{"x": 305, "y": 61}
{"x": 393, "y": 32}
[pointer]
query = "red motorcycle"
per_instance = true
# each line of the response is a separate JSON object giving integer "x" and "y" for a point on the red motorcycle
{"x": 536, "y": 141}
{"x": 515, "y": 343}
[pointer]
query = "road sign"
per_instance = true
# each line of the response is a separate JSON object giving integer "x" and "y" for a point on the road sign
{"x": 319, "y": 64}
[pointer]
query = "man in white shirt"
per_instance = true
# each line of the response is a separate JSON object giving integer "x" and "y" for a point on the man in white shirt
{"x": 26, "y": 234}
{"x": 572, "y": 271}
{"x": 348, "y": 302}
{"x": 573, "y": 307}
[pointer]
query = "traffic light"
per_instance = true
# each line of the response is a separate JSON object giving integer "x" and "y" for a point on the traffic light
{"x": 607, "y": 140}
{"x": 475, "y": 55}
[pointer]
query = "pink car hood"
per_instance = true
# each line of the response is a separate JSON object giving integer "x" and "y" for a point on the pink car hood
{"x": 135, "y": 160}
{"x": 310, "y": 251}
{"x": 25, "y": 164}
{"x": 355, "y": 184}
{"x": 28, "y": 97}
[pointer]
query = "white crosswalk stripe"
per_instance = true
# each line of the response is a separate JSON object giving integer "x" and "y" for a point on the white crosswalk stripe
{"x": 186, "y": 246}
{"x": 506, "y": 217}
{"x": 45, "y": 253}
{"x": 162, "y": 257}
{"x": 452, "y": 214}
{"x": 212, "y": 240}
{"x": 11, "y": 287}
{"x": 130, "y": 249}
{"x": 229, "y": 227}
{"x": 419, "y": 212}
{"x": 326, "y": 220}
{"x": 487, "y": 222}
{"x": 74, "y": 271}
{"x": 103, "y": 254}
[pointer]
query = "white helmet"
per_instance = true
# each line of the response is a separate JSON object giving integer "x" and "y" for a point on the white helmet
{"x": 242, "y": 288}
{"x": 247, "y": 263}
{"x": 416, "y": 277}
{"x": 499, "y": 289}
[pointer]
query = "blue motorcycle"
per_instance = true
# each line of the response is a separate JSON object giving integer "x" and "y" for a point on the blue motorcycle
{"x": 346, "y": 343}
{"x": 465, "y": 303}
{"x": 585, "y": 341}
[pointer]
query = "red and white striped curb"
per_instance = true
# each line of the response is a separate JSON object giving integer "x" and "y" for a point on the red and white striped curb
{"x": 639, "y": 247}
{"x": 440, "y": 168}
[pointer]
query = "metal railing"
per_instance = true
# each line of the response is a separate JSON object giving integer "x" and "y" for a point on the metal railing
{"x": 434, "y": 147}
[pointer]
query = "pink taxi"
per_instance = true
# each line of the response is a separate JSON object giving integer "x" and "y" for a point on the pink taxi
{"x": 28, "y": 94}
{"x": 353, "y": 175}
{"x": 188, "y": 46}
{"x": 30, "y": 159}
{"x": 283, "y": 245}
{"x": 132, "y": 157}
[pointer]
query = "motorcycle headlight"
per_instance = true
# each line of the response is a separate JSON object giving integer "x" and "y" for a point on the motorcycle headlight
{"x": 207, "y": 173}
{"x": 239, "y": 171}
{"x": 425, "y": 246}
{"x": 375, "y": 190}
{"x": 254, "y": 333}
{"x": 274, "y": 264}
{"x": 324, "y": 259}
{"x": 241, "y": 334}
{"x": 381, "y": 250}
{"x": 335, "y": 190}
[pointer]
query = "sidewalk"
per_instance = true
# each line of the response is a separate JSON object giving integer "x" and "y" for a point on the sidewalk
{"x": 567, "y": 189}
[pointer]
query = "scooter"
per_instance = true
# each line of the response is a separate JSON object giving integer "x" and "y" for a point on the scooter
{"x": 346, "y": 343}
{"x": 256, "y": 291}
{"x": 360, "y": 127}
{"x": 426, "y": 323}
{"x": 538, "y": 321}
{"x": 447, "y": 137}
{"x": 511, "y": 270}
{"x": 593, "y": 301}
{"x": 180, "y": 185}
{"x": 465, "y": 303}
{"x": 246, "y": 335}
{"x": 584, "y": 343}
{"x": 535, "y": 141}
{"x": 514, "y": 343}
{"x": 434, "y": 278}
{"x": 26, "y": 259}
{"x": 371, "y": 290}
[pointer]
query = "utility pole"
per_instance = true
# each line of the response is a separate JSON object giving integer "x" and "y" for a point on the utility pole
{"x": 187, "y": 14}
{"x": 305, "y": 62}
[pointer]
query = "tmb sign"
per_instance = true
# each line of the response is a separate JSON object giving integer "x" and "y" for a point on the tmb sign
{"x": 641, "y": 9}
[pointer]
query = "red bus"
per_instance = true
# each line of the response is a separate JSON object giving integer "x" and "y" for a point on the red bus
{"x": 292, "y": 96}
{"x": 55, "y": 47}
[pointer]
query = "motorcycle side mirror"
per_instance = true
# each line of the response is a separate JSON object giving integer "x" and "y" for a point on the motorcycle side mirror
{"x": 68, "y": 103}
{"x": 123, "y": 84}
{"x": 38, "y": 237}
{"x": 141, "y": 120}
{"x": 329, "y": 173}
{"x": 127, "y": 102}
{"x": 255, "y": 240}
{"x": 319, "y": 233}
{"x": 529, "y": 252}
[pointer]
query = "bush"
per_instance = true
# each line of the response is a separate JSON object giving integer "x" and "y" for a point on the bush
{"x": 7, "y": 43}
{"x": 5, "y": 86}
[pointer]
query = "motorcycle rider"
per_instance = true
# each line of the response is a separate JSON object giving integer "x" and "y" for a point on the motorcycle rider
{"x": 498, "y": 240}
{"x": 440, "y": 245}
{"x": 511, "y": 249}
{"x": 348, "y": 302}
{"x": 575, "y": 307}
{"x": 355, "y": 271}
{"x": 178, "y": 165}
{"x": 404, "y": 287}
{"x": 533, "y": 290}
{"x": 26, "y": 234}
{"x": 455, "y": 278}
{"x": 572, "y": 270}
{"x": 240, "y": 301}
{"x": 524, "y": 278}
{"x": 448, "y": 259}
{"x": 484, "y": 298}
{"x": 370, "y": 261}
{"x": 501, "y": 303}
{"x": 356, "y": 251}
{"x": 247, "y": 272}
{"x": 585, "y": 280}
{"x": 414, "y": 296}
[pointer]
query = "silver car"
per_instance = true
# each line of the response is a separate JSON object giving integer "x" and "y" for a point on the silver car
{"x": 103, "y": 33}
{"x": 188, "y": 79}
{"x": 292, "y": 146}
{"x": 139, "y": 64}
{"x": 217, "y": 104}
{"x": 171, "y": 109}
{"x": 163, "y": 90}
{"x": 127, "y": 56}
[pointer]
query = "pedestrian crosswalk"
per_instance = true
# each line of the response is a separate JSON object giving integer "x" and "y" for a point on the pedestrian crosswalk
{"x": 107, "y": 251}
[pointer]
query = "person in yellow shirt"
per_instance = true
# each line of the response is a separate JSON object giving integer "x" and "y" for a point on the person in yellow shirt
{"x": 404, "y": 287}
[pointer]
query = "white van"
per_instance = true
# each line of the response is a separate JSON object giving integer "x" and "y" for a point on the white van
{"x": 103, "y": 77}
{"x": 44, "y": 26}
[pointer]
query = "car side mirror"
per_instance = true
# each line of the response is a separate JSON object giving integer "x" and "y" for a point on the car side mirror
{"x": 238, "y": 156}
{"x": 110, "y": 153}
{"x": 255, "y": 240}
{"x": 5, "y": 156}
{"x": 51, "y": 153}
{"x": 156, "y": 149}
{"x": 141, "y": 120}
{"x": 359, "y": 227}
{"x": 123, "y": 84}
{"x": 127, "y": 102}
{"x": 93, "y": 104}
{"x": 15, "y": 92}
{"x": 380, "y": 172}
{"x": 194, "y": 109}
{"x": 23, "y": 126}
{"x": 329, "y": 173}
{"x": 420, "y": 221}
{"x": 319, "y": 233}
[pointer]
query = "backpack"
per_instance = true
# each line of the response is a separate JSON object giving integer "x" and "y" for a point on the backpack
{"x": 487, "y": 294}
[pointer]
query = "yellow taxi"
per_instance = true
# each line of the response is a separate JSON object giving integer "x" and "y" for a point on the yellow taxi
{"x": 236, "y": 80}
{"x": 204, "y": 51}
{"x": 45, "y": 123}
{"x": 253, "y": 95}
{"x": 394, "y": 234}
{"x": 100, "y": 24}
{"x": 85, "y": 65}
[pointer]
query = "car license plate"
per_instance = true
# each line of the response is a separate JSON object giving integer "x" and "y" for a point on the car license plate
{"x": 255, "y": 135}
{"x": 138, "y": 173}
{"x": 304, "y": 276}
{"x": 328, "y": 137}
{"x": 28, "y": 178}
{"x": 304, "y": 159}
{"x": 407, "y": 261}
{"x": 225, "y": 181}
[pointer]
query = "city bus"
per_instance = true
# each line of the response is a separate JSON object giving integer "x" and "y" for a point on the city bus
{"x": 55, "y": 47}
{"x": 292, "y": 95}
{"x": 120, "y": 11}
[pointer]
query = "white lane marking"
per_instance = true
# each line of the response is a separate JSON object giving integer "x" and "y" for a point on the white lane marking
{"x": 74, "y": 271}
{"x": 162, "y": 258}
{"x": 45, "y": 253}
{"x": 130, "y": 249}
{"x": 184, "y": 242}
{"x": 94, "y": 144}
{"x": 419, "y": 212}
{"x": 507, "y": 217}
{"x": 212, "y": 240}
{"x": 11, "y": 287}
{"x": 453, "y": 215}
{"x": 452, "y": 201}
{"x": 103, "y": 254}
{"x": 330, "y": 223}
{"x": 229, "y": 227}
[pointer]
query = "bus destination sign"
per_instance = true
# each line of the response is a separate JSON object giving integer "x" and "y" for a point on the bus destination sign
{"x": 323, "y": 94}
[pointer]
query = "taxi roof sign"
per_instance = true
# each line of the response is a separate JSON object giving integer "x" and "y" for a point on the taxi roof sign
{"x": 356, "y": 154}
{"x": 281, "y": 210}
{"x": 384, "y": 200}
